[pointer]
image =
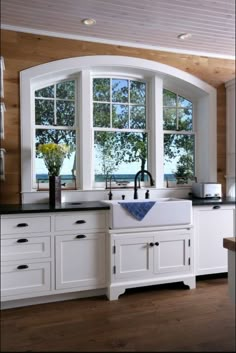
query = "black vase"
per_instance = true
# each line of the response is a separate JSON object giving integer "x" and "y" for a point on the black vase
{"x": 54, "y": 191}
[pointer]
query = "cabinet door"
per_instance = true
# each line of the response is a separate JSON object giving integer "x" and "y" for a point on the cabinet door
{"x": 172, "y": 252}
{"x": 133, "y": 256}
{"x": 212, "y": 225}
{"x": 80, "y": 261}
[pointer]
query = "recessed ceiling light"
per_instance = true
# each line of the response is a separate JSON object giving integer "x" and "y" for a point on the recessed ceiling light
{"x": 88, "y": 21}
{"x": 184, "y": 36}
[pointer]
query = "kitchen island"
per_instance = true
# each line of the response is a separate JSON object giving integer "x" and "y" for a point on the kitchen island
{"x": 230, "y": 245}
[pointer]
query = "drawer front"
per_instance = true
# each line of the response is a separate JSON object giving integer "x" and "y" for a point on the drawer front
{"x": 23, "y": 225}
{"x": 25, "y": 248}
{"x": 80, "y": 221}
{"x": 25, "y": 278}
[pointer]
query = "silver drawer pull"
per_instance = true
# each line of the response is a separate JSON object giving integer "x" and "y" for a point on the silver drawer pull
{"x": 80, "y": 221}
{"x": 22, "y": 267}
{"x": 80, "y": 236}
{"x": 22, "y": 225}
{"x": 22, "y": 240}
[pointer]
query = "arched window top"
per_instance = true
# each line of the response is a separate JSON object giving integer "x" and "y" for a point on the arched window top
{"x": 108, "y": 63}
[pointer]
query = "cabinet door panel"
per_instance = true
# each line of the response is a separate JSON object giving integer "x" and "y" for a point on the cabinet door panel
{"x": 80, "y": 262}
{"x": 211, "y": 227}
{"x": 134, "y": 257}
{"x": 172, "y": 254}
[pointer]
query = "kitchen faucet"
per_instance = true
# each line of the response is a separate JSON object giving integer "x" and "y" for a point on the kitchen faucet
{"x": 136, "y": 178}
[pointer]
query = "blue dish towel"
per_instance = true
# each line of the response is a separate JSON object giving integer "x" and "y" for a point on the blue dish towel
{"x": 138, "y": 209}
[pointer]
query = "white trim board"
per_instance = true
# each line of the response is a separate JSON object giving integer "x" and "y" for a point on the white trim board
{"x": 114, "y": 42}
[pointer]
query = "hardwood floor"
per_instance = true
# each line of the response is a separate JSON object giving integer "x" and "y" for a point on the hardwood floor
{"x": 168, "y": 318}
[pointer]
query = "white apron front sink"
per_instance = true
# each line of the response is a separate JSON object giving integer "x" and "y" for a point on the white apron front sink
{"x": 165, "y": 212}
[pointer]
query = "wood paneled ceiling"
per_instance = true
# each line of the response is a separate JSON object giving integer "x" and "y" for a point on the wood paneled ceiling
{"x": 139, "y": 23}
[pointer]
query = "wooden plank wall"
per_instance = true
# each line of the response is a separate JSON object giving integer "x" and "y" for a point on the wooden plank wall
{"x": 22, "y": 51}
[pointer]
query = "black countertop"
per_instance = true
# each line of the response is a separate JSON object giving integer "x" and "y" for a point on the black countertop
{"x": 94, "y": 205}
{"x": 67, "y": 206}
{"x": 213, "y": 202}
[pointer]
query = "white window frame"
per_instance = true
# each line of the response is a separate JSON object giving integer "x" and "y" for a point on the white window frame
{"x": 185, "y": 132}
{"x": 75, "y": 127}
{"x": 140, "y": 78}
{"x": 159, "y": 75}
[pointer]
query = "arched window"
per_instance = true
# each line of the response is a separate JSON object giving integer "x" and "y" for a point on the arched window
{"x": 118, "y": 115}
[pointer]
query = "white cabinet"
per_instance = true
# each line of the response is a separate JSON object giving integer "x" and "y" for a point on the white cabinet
{"x": 52, "y": 253}
{"x": 212, "y": 224}
{"x": 151, "y": 257}
{"x": 24, "y": 279}
{"x": 26, "y": 250}
{"x": 80, "y": 261}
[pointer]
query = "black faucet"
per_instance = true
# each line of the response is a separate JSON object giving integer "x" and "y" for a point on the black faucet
{"x": 136, "y": 178}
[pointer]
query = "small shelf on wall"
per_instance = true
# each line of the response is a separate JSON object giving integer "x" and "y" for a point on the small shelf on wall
{"x": 2, "y": 164}
{"x": 3, "y": 109}
{"x": 2, "y": 67}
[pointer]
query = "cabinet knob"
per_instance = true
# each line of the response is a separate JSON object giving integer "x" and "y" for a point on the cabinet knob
{"x": 80, "y": 236}
{"x": 80, "y": 221}
{"x": 22, "y": 240}
{"x": 22, "y": 267}
{"x": 22, "y": 225}
{"x": 151, "y": 244}
{"x": 156, "y": 243}
{"x": 216, "y": 207}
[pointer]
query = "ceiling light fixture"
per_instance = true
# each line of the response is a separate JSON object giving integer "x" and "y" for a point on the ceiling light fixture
{"x": 184, "y": 36}
{"x": 88, "y": 21}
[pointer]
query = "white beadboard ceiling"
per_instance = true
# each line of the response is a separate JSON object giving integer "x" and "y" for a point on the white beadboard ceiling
{"x": 138, "y": 23}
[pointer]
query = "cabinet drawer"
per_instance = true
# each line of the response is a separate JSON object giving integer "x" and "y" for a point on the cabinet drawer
{"x": 23, "y": 225}
{"x": 23, "y": 278}
{"x": 25, "y": 248}
{"x": 79, "y": 221}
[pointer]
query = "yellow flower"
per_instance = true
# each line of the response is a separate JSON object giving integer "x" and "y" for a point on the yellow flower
{"x": 53, "y": 155}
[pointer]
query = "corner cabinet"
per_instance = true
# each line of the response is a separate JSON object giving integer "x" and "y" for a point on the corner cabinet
{"x": 52, "y": 253}
{"x": 211, "y": 225}
{"x": 141, "y": 258}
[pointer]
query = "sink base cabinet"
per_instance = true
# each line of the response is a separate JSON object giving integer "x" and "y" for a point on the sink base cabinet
{"x": 141, "y": 259}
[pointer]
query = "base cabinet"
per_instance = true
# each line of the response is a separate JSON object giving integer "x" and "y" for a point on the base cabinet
{"x": 53, "y": 254}
{"x": 212, "y": 224}
{"x": 146, "y": 258}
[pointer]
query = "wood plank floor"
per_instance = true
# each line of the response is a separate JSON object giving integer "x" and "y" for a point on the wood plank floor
{"x": 164, "y": 318}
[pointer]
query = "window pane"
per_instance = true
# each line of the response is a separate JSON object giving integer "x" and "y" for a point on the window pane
{"x": 44, "y": 112}
{"x": 66, "y": 90}
{"x": 185, "y": 119}
{"x": 137, "y": 117}
{"x": 120, "y": 91}
{"x": 101, "y": 115}
{"x": 169, "y": 98}
{"x": 137, "y": 92}
{"x": 120, "y": 117}
{"x": 121, "y": 154}
{"x": 65, "y": 113}
{"x": 179, "y": 157}
{"x": 101, "y": 89}
{"x": 170, "y": 119}
{"x": 47, "y": 92}
{"x": 184, "y": 103}
{"x": 67, "y": 137}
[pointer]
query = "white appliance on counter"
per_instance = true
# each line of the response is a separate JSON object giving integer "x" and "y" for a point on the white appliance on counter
{"x": 207, "y": 190}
